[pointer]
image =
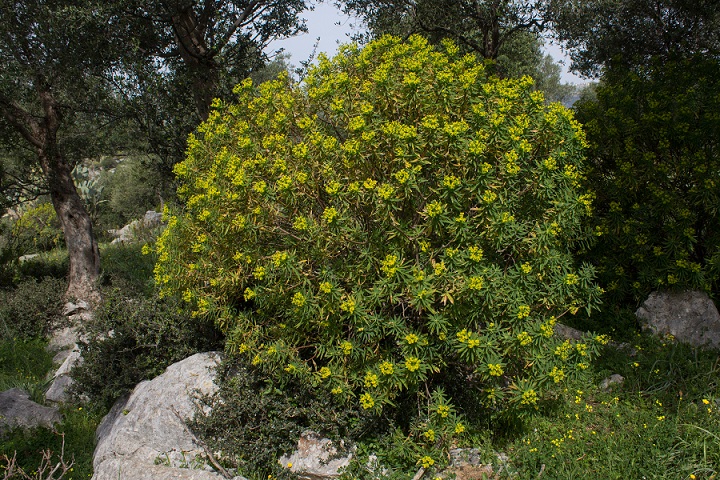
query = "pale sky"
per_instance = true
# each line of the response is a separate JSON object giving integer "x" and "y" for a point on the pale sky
{"x": 333, "y": 27}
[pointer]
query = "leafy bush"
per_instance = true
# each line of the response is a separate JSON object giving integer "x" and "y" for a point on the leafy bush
{"x": 253, "y": 421}
{"x": 396, "y": 225}
{"x": 132, "y": 189}
{"x": 656, "y": 173}
{"x": 7, "y": 253}
{"x": 43, "y": 447}
{"x": 131, "y": 339}
{"x": 30, "y": 310}
{"x": 37, "y": 230}
{"x": 54, "y": 263}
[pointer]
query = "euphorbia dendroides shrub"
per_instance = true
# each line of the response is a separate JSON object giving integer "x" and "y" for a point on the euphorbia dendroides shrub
{"x": 396, "y": 217}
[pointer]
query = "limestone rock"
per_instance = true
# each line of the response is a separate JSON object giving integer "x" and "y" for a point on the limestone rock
{"x": 127, "y": 233}
{"x": 57, "y": 393}
{"x": 17, "y": 410}
{"x": 691, "y": 317}
{"x": 63, "y": 339}
{"x": 465, "y": 464}
{"x": 144, "y": 435}
{"x": 568, "y": 333}
{"x": 71, "y": 308}
{"x": 317, "y": 458}
{"x": 610, "y": 382}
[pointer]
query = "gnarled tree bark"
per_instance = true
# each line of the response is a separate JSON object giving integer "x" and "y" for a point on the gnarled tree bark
{"x": 41, "y": 133}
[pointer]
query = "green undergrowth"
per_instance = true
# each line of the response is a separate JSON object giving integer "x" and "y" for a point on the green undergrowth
{"x": 76, "y": 432}
{"x": 30, "y": 306}
{"x": 663, "y": 421}
{"x": 24, "y": 364}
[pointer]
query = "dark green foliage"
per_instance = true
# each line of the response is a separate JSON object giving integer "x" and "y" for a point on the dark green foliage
{"x": 598, "y": 33}
{"x": 255, "y": 420}
{"x": 478, "y": 26}
{"x": 24, "y": 364}
{"x": 133, "y": 339}
{"x": 654, "y": 136}
{"x": 134, "y": 187}
{"x": 53, "y": 264}
{"x": 30, "y": 309}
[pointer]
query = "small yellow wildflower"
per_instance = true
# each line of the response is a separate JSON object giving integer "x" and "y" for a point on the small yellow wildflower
{"x": 371, "y": 380}
{"x": 367, "y": 401}
{"x": 387, "y": 368}
{"x": 433, "y": 209}
{"x": 346, "y": 347}
{"x": 426, "y": 462}
{"x": 300, "y": 224}
{"x": 330, "y": 214}
{"x": 475, "y": 283}
{"x": 529, "y": 397}
{"x": 369, "y": 184}
{"x": 495, "y": 369}
{"x": 476, "y": 253}
{"x": 524, "y": 338}
{"x": 259, "y": 273}
{"x": 348, "y": 306}
{"x": 298, "y": 299}
{"x": 411, "y": 338}
{"x": 412, "y": 364}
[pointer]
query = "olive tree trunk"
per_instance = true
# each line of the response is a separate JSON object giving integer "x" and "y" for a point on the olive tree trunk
{"x": 41, "y": 133}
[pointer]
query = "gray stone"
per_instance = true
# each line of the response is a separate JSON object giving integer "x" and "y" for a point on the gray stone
{"x": 17, "y": 410}
{"x": 60, "y": 357}
{"x": 152, "y": 219}
{"x": 317, "y": 458}
{"x": 144, "y": 436}
{"x": 465, "y": 464}
{"x": 127, "y": 234}
{"x": 71, "y": 308}
{"x": 58, "y": 390}
{"x": 691, "y": 317}
{"x": 568, "y": 333}
{"x": 63, "y": 339}
{"x": 57, "y": 393}
{"x": 610, "y": 382}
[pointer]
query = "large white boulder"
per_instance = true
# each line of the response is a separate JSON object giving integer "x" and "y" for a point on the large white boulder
{"x": 144, "y": 436}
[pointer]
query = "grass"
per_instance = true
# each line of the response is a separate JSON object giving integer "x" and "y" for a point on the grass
{"x": 24, "y": 364}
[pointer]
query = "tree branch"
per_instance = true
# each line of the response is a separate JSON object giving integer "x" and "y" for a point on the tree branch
{"x": 247, "y": 13}
{"x": 21, "y": 120}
